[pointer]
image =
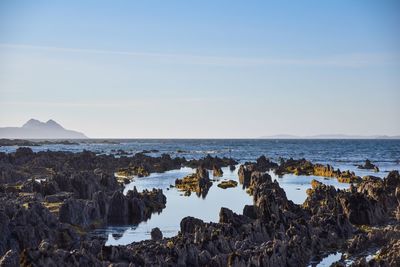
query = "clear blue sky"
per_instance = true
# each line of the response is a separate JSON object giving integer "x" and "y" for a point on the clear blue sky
{"x": 202, "y": 68}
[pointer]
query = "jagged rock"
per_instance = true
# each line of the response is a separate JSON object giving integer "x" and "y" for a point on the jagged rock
{"x": 118, "y": 212}
{"x": 80, "y": 212}
{"x": 210, "y": 162}
{"x": 249, "y": 211}
{"x": 115, "y": 209}
{"x": 189, "y": 224}
{"x": 263, "y": 164}
{"x": 390, "y": 253}
{"x": 361, "y": 209}
{"x": 228, "y": 216}
{"x": 272, "y": 232}
{"x": 217, "y": 171}
{"x": 245, "y": 174}
{"x": 24, "y": 164}
{"x": 198, "y": 182}
{"x": 156, "y": 234}
{"x": 59, "y": 197}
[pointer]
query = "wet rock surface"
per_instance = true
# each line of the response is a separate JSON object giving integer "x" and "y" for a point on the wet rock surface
{"x": 217, "y": 171}
{"x": 227, "y": 184}
{"x": 198, "y": 183}
{"x": 305, "y": 167}
{"x": 46, "y": 222}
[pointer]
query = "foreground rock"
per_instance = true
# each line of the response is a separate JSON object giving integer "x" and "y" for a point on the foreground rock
{"x": 156, "y": 234}
{"x": 272, "y": 232}
{"x": 45, "y": 223}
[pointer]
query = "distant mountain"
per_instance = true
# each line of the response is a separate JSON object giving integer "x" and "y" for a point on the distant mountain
{"x": 330, "y": 136}
{"x": 35, "y": 129}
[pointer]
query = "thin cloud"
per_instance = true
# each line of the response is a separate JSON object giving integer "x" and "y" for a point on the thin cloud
{"x": 114, "y": 103}
{"x": 347, "y": 60}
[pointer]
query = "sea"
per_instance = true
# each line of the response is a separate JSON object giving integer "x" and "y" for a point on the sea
{"x": 344, "y": 154}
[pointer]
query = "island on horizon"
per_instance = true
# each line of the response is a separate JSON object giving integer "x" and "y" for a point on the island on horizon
{"x": 35, "y": 129}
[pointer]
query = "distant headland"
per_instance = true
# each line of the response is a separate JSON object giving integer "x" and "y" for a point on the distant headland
{"x": 35, "y": 129}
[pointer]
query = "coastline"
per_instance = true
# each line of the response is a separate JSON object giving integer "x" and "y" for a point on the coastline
{"x": 86, "y": 183}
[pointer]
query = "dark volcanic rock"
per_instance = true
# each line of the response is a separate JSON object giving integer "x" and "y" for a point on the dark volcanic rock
{"x": 189, "y": 224}
{"x": 45, "y": 223}
{"x": 263, "y": 164}
{"x": 228, "y": 216}
{"x": 244, "y": 173}
{"x": 368, "y": 166}
{"x": 156, "y": 234}
{"x": 362, "y": 210}
{"x": 23, "y": 226}
{"x": 24, "y": 164}
{"x": 81, "y": 212}
{"x": 116, "y": 209}
{"x": 210, "y": 162}
{"x": 118, "y": 212}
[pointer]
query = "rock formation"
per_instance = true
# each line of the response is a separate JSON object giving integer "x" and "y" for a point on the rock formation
{"x": 198, "y": 182}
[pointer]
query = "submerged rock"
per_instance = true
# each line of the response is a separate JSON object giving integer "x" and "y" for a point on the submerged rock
{"x": 139, "y": 171}
{"x": 227, "y": 184}
{"x": 305, "y": 167}
{"x": 368, "y": 166}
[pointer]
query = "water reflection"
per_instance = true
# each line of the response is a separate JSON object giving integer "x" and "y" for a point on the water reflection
{"x": 327, "y": 261}
{"x": 179, "y": 206}
{"x": 295, "y": 186}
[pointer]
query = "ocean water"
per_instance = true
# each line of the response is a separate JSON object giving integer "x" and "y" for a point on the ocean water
{"x": 339, "y": 153}
{"x": 343, "y": 154}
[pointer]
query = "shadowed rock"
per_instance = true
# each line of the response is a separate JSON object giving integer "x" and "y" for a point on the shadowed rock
{"x": 156, "y": 234}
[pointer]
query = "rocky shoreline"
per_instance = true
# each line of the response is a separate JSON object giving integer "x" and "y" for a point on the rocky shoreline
{"x": 52, "y": 200}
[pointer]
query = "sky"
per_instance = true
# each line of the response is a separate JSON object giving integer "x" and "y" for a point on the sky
{"x": 202, "y": 69}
